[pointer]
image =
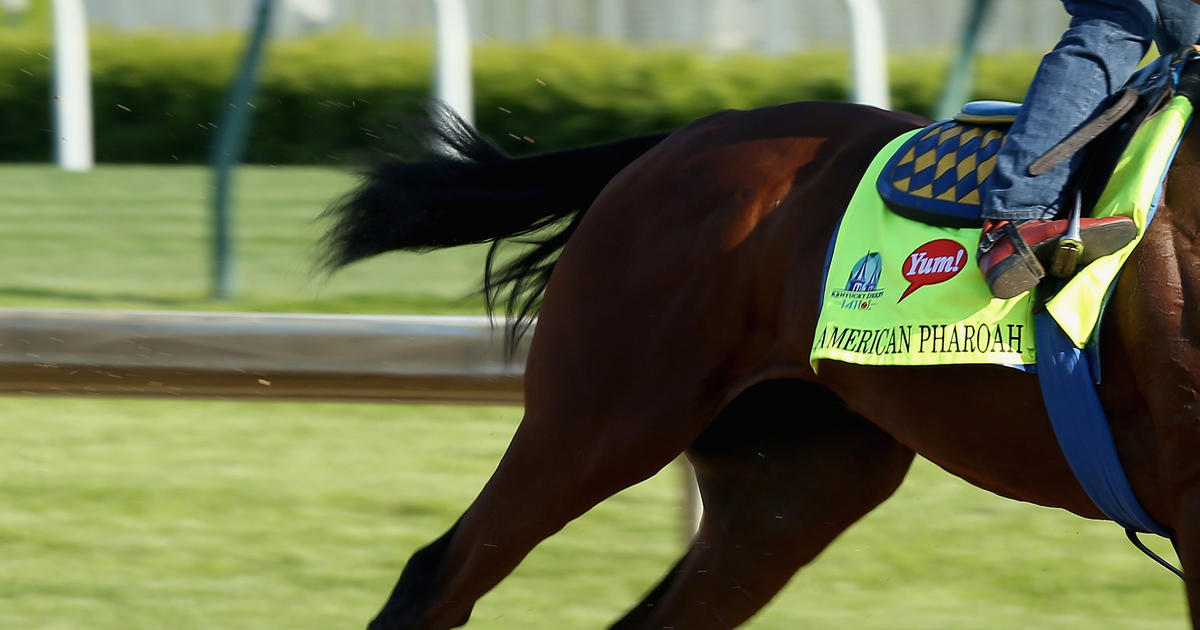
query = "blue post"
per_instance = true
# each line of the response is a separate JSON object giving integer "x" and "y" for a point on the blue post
{"x": 228, "y": 148}
{"x": 958, "y": 82}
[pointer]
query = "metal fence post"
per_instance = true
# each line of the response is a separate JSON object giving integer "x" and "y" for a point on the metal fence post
{"x": 452, "y": 84}
{"x": 72, "y": 91}
{"x": 870, "y": 53}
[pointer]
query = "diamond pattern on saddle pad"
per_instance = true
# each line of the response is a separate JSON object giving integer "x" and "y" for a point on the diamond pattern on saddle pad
{"x": 938, "y": 172}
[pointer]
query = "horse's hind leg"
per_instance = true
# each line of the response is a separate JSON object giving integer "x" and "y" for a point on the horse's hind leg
{"x": 783, "y": 471}
{"x": 569, "y": 454}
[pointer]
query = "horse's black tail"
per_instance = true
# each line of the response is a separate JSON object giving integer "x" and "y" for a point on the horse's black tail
{"x": 461, "y": 189}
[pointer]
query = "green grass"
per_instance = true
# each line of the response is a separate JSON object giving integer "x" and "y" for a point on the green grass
{"x": 124, "y": 515}
{"x": 152, "y": 514}
{"x": 139, "y": 237}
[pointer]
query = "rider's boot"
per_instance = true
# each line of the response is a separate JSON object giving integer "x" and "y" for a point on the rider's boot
{"x": 1013, "y": 254}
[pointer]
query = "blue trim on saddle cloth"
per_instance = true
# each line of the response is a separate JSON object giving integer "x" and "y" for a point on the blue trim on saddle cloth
{"x": 828, "y": 261}
{"x": 1082, "y": 428}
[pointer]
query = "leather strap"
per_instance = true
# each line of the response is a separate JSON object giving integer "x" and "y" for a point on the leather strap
{"x": 1086, "y": 133}
{"x": 1023, "y": 251}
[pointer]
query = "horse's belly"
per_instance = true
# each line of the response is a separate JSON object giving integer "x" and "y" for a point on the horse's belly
{"x": 986, "y": 424}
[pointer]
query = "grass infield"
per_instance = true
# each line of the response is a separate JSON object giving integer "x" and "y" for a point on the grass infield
{"x": 135, "y": 237}
{"x": 129, "y": 514}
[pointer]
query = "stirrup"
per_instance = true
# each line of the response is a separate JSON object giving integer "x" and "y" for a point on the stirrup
{"x": 1069, "y": 251}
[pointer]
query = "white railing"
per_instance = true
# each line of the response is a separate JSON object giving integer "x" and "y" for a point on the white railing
{"x": 256, "y": 356}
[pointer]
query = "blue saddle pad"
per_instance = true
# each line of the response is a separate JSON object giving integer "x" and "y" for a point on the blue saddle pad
{"x": 935, "y": 176}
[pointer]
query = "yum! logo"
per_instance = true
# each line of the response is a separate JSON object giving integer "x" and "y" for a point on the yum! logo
{"x": 933, "y": 263}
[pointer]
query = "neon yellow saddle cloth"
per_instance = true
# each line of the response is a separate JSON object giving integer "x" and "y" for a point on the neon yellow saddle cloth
{"x": 901, "y": 292}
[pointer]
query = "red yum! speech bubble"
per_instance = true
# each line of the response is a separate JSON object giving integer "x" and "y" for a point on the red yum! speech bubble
{"x": 933, "y": 263}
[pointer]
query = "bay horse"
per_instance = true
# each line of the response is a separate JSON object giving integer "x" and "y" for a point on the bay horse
{"x": 676, "y": 281}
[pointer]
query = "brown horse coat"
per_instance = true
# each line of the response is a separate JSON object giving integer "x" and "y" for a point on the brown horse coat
{"x": 679, "y": 318}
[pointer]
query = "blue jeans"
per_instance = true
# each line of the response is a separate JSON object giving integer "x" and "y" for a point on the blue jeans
{"x": 1095, "y": 57}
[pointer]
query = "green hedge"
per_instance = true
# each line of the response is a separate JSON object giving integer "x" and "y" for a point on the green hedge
{"x": 334, "y": 98}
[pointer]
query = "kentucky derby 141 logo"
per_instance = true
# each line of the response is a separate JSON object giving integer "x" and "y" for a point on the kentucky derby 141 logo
{"x": 933, "y": 263}
{"x": 862, "y": 285}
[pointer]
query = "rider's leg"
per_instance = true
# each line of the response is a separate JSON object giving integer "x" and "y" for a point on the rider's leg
{"x": 1094, "y": 58}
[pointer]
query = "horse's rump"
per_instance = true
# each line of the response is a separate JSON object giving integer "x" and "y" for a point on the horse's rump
{"x": 708, "y": 257}
{"x": 729, "y": 217}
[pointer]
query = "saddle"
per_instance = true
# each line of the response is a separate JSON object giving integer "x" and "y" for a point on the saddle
{"x": 936, "y": 176}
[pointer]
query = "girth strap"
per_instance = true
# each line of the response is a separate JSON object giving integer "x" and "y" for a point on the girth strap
{"x": 1082, "y": 428}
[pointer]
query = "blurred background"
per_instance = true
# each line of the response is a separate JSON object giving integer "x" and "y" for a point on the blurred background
{"x": 191, "y": 180}
{"x": 719, "y": 26}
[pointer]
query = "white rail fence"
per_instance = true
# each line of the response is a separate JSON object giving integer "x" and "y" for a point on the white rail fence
{"x": 256, "y": 356}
